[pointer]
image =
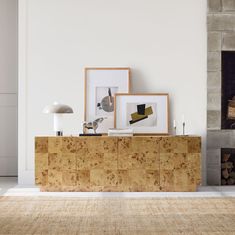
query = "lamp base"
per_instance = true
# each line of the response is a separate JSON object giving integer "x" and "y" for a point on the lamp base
{"x": 59, "y": 133}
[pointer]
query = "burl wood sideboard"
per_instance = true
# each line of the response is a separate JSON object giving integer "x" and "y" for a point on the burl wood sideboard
{"x": 118, "y": 164}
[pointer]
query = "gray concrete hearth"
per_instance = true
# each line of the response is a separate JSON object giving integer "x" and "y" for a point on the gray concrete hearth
{"x": 221, "y": 37}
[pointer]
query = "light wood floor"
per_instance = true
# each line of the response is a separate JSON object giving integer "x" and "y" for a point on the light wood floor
{"x": 116, "y": 216}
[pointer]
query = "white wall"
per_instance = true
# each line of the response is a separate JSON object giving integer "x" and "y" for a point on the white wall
{"x": 8, "y": 87}
{"x": 163, "y": 41}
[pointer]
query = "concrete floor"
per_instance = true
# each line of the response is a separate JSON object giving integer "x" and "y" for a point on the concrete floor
{"x": 10, "y": 187}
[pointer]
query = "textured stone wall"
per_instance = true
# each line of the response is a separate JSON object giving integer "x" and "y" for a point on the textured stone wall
{"x": 221, "y": 37}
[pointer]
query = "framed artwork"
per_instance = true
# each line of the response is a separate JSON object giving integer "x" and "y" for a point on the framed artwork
{"x": 144, "y": 113}
{"x": 101, "y": 84}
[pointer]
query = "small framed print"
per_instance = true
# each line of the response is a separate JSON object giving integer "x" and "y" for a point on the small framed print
{"x": 101, "y": 84}
{"x": 144, "y": 113}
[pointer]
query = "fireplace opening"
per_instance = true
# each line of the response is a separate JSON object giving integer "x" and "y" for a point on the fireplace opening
{"x": 228, "y": 166}
{"x": 228, "y": 90}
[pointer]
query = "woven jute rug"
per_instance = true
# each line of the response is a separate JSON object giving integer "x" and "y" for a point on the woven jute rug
{"x": 116, "y": 216}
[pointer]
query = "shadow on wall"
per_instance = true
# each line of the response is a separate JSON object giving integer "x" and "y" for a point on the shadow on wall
{"x": 138, "y": 81}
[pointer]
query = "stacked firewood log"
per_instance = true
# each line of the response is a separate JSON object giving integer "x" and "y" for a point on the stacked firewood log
{"x": 227, "y": 170}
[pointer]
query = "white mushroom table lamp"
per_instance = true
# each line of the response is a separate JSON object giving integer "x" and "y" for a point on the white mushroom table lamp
{"x": 58, "y": 110}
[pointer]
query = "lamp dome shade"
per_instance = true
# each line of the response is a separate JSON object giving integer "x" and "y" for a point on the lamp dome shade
{"x": 57, "y": 108}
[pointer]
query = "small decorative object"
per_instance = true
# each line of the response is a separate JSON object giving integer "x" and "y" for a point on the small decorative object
{"x": 100, "y": 86}
{"x": 174, "y": 126}
{"x": 120, "y": 132}
{"x": 144, "y": 113}
{"x": 92, "y": 126}
{"x": 58, "y": 110}
{"x": 231, "y": 108}
{"x": 183, "y": 122}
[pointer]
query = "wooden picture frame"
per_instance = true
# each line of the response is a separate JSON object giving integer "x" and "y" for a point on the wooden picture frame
{"x": 155, "y": 105}
{"x": 100, "y": 81}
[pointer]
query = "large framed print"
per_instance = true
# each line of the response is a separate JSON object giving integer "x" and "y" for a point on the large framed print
{"x": 101, "y": 84}
{"x": 144, "y": 113}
